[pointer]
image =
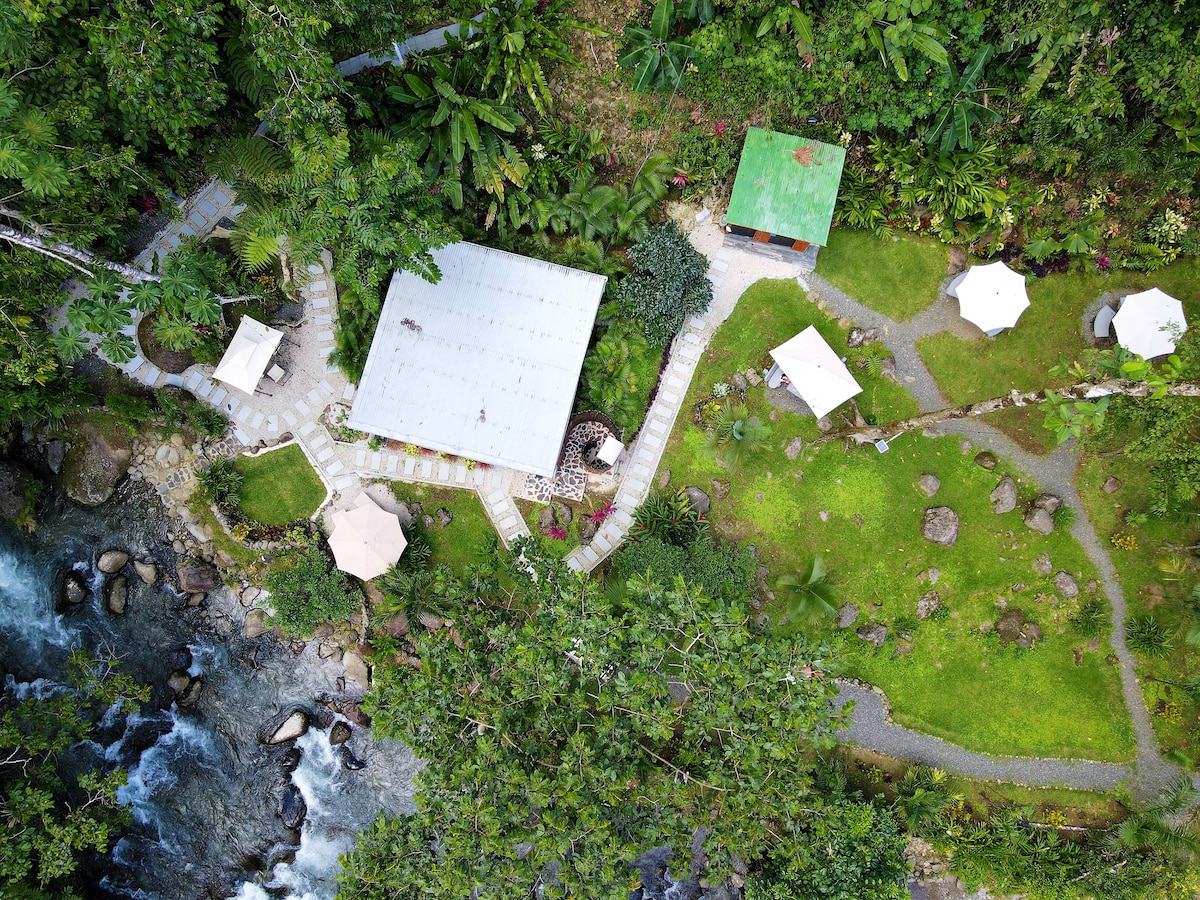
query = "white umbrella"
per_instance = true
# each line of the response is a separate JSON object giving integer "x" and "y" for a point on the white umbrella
{"x": 817, "y": 373}
{"x": 246, "y": 359}
{"x": 1148, "y": 323}
{"x": 991, "y": 296}
{"x": 366, "y": 540}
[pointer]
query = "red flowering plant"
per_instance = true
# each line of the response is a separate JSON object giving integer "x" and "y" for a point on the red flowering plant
{"x": 557, "y": 534}
{"x": 599, "y": 515}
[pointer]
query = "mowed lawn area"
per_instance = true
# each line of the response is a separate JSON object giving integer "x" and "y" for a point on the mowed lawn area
{"x": 280, "y": 486}
{"x": 862, "y": 512}
{"x": 898, "y": 276}
{"x": 466, "y": 540}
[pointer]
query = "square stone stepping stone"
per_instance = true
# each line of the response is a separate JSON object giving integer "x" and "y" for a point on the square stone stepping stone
{"x": 344, "y": 482}
{"x": 290, "y": 418}
{"x": 426, "y": 468}
{"x": 257, "y": 420}
{"x": 360, "y": 457}
{"x": 325, "y": 454}
{"x": 376, "y": 461}
{"x": 219, "y": 397}
{"x": 410, "y": 465}
{"x": 334, "y": 467}
{"x": 460, "y": 474}
{"x": 393, "y": 464}
{"x": 302, "y": 408}
{"x": 443, "y": 471}
{"x": 325, "y": 386}
{"x": 244, "y": 413}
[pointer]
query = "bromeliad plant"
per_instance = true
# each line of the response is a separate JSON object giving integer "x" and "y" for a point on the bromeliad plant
{"x": 669, "y": 517}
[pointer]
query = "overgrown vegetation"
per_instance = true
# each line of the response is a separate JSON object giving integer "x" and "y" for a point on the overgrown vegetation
{"x": 307, "y": 590}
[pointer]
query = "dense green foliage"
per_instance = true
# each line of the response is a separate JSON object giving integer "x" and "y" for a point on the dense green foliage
{"x": 53, "y": 813}
{"x": 668, "y": 284}
{"x": 561, "y": 748}
{"x": 725, "y": 571}
{"x": 308, "y": 590}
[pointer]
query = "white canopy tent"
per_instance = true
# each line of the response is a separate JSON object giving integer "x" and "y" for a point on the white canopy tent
{"x": 816, "y": 373}
{"x": 366, "y": 540}
{"x": 1148, "y": 323}
{"x": 991, "y": 296}
{"x": 249, "y": 352}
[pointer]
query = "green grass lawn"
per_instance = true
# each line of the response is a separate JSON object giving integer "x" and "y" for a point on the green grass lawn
{"x": 280, "y": 486}
{"x": 897, "y": 277}
{"x": 1052, "y": 327}
{"x": 467, "y": 538}
{"x": 862, "y": 512}
{"x": 1149, "y": 590}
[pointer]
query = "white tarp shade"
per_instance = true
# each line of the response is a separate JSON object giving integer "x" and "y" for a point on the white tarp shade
{"x": 366, "y": 540}
{"x": 816, "y": 372}
{"x": 251, "y": 349}
{"x": 1148, "y": 323}
{"x": 991, "y": 297}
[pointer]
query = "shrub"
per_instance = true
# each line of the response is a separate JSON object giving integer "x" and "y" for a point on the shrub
{"x": 204, "y": 420}
{"x": 725, "y": 571}
{"x": 130, "y": 410}
{"x": 1147, "y": 637}
{"x": 310, "y": 591}
{"x": 668, "y": 283}
{"x": 671, "y": 518}
{"x": 220, "y": 483}
{"x": 1091, "y": 618}
{"x": 610, "y": 377}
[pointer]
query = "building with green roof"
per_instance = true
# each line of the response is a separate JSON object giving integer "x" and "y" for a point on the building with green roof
{"x": 785, "y": 189}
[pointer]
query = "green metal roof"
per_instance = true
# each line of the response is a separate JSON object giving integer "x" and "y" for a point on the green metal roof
{"x": 777, "y": 193}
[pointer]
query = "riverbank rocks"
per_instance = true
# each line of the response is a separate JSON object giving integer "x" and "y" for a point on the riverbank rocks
{"x": 986, "y": 459}
{"x": 179, "y": 680}
{"x": 846, "y": 615}
{"x": 94, "y": 465}
{"x": 17, "y": 488}
{"x": 940, "y": 526}
{"x": 146, "y": 571}
{"x": 929, "y": 603}
{"x": 1004, "y": 497}
{"x": 1066, "y": 585}
{"x": 294, "y": 726}
{"x": 339, "y": 733}
{"x": 112, "y": 561}
{"x": 356, "y": 669}
{"x": 254, "y": 624}
{"x": 929, "y": 483}
{"x": 116, "y": 595}
{"x": 1037, "y": 519}
{"x": 196, "y": 576}
{"x": 873, "y": 633}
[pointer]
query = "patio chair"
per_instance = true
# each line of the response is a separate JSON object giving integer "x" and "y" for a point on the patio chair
{"x": 1101, "y": 327}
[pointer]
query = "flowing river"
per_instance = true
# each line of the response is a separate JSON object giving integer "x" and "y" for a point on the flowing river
{"x": 205, "y": 793}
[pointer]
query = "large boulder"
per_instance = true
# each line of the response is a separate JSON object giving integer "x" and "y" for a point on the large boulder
{"x": 1004, "y": 497}
{"x": 116, "y": 595}
{"x": 357, "y": 670}
{"x": 73, "y": 592}
{"x": 1066, "y": 585}
{"x": 95, "y": 465}
{"x": 846, "y": 615}
{"x": 940, "y": 525}
{"x": 929, "y": 483}
{"x": 1048, "y": 502}
{"x": 196, "y": 576}
{"x": 112, "y": 561}
{"x": 1015, "y": 627}
{"x": 698, "y": 499}
{"x": 873, "y": 633}
{"x": 292, "y": 808}
{"x": 16, "y": 489}
{"x": 1037, "y": 519}
{"x": 294, "y": 726}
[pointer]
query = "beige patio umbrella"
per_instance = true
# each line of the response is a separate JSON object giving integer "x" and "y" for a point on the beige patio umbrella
{"x": 246, "y": 359}
{"x": 991, "y": 296}
{"x": 366, "y": 540}
{"x": 1148, "y": 323}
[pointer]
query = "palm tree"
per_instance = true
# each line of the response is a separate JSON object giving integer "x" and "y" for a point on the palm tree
{"x": 808, "y": 595}
{"x": 1162, "y": 823}
{"x": 737, "y": 434}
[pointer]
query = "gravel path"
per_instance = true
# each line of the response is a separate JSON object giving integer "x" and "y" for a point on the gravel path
{"x": 871, "y": 726}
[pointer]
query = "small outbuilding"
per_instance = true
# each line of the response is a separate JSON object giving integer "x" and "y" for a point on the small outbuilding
{"x": 785, "y": 190}
{"x": 485, "y": 363}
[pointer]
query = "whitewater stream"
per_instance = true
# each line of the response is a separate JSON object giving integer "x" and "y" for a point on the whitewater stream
{"x": 204, "y": 791}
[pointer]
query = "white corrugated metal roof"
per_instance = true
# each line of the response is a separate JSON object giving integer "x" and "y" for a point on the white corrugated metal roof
{"x": 483, "y": 364}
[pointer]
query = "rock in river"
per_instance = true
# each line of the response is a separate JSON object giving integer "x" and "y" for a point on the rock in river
{"x": 196, "y": 576}
{"x": 112, "y": 561}
{"x": 94, "y": 465}
{"x": 292, "y": 808}
{"x": 293, "y": 726}
{"x": 116, "y": 595}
